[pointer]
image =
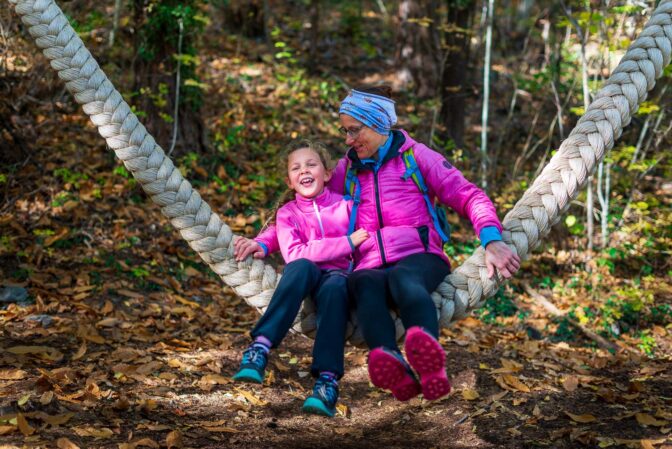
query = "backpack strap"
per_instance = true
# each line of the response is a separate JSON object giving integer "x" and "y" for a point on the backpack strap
{"x": 413, "y": 172}
{"x": 352, "y": 191}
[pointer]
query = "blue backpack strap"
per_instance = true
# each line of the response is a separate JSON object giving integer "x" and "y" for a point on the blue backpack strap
{"x": 352, "y": 191}
{"x": 413, "y": 171}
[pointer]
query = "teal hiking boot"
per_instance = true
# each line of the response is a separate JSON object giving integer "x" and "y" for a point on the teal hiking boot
{"x": 325, "y": 395}
{"x": 253, "y": 366}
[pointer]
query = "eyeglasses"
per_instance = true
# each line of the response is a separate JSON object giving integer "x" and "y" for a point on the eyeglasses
{"x": 352, "y": 132}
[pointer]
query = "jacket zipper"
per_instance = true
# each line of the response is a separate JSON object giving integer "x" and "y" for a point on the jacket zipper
{"x": 319, "y": 217}
{"x": 380, "y": 218}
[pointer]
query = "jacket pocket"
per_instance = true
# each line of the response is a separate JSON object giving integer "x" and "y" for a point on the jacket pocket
{"x": 423, "y": 232}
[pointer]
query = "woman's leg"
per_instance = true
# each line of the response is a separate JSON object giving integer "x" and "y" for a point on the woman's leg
{"x": 387, "y": 368}
{"x": 298, "y": 279}
{"x": 368, "y": 290}
{"x": 331, "y": 300}
{"x": 411, "y": 282}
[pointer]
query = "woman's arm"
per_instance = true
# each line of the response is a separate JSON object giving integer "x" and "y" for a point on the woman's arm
{"x": 456, "y": 192}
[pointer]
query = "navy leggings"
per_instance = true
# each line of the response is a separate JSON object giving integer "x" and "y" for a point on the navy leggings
{"x": 329, "y": 291}
{"x": 406, "y": 285}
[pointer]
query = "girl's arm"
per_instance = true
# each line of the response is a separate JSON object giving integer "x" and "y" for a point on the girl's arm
{"x": 294, "y": 247}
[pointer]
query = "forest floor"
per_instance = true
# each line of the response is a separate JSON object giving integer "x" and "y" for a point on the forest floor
{"x": 127, "y": 340}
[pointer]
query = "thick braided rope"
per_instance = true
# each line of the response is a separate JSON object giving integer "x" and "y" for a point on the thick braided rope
{"x": 541, "y": 206}
{"x": 544, "y": 203}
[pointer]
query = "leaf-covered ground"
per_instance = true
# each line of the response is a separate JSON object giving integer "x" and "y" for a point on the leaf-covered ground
{"x": 126, "y": 339}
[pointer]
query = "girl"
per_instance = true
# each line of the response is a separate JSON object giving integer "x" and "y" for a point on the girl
{"x": 404, "y": 261}
{"x": 311, "y": 232}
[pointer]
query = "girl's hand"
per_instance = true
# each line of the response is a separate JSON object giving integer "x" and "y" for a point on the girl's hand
{"x": 358, "y": 237}
{"x": 243, "y": 247}
{"x": 499, "y": 256}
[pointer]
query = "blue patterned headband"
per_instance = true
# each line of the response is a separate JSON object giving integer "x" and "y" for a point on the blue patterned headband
{"x": 375, "y": 111}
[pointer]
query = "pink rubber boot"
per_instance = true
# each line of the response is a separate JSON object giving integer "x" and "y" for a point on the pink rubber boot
{"x": 427, "y": 357}
{"x": 388, "y": 370}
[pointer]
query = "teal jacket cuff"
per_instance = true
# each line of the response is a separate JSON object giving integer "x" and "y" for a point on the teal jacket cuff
{"x": 489, "y": 234}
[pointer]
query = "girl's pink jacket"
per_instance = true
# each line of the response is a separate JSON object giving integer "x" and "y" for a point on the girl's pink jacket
{"x": 315, "y": 229}
{"x": 394, "y": 212}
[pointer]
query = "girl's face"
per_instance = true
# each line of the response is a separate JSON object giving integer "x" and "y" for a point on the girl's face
{"x": 363, "y": 139}
{"x": 306, "y": 173}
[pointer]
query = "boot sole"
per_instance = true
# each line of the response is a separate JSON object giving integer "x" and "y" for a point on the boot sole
{"x": 386, "y": 372}
{"x": 428, "y": 358}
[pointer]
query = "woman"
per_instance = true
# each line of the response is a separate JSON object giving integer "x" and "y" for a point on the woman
{"x": 403, "y": 262}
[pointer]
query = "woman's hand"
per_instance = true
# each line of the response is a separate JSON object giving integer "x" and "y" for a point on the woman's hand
{"x": 243, "y": 247}
{"x": 358, "y": 237}
{"x": 499, "y": 256}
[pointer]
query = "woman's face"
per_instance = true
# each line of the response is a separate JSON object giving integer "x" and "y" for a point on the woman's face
{"x": 363, "y": 139}
{"x": 306, "y": 173}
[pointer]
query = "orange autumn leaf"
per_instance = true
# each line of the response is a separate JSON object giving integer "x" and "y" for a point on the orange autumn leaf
{"x": 570, "y": 383}
{"x": 647, "y": 420}
{"x": 585, "y": 418}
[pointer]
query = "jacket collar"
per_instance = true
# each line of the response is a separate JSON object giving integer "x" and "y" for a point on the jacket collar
{"x": 306, "y": 204}
{"x": 401, "y": 141}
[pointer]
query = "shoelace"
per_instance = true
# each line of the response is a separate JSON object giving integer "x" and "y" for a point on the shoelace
{"x": 325, "y": 387}
{"x": 255, "y": 356}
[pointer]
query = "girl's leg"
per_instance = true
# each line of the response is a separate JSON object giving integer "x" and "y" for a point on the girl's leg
{"x": 411, "y": 282}
{"x": 331, "y": 300}
{"x": 369, "y": 292}
{"x": 298, "y": 279}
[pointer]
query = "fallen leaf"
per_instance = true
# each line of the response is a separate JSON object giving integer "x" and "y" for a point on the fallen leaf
{"x": 12, "y": 374}
{"x": 343, "y": 410}
{"x": 508, "y": 366}
{"x": 221, "y": 429}
{"x": 90, "y": 431}
{"x": 42, "y": 351}
{"x": 214, "y": 379}
{"x": 4, "y": 430}
{"x": 281, "y": 367}
{"x": 23, "y": 400}
{"x": 54, "y": 420}
{"x": 251, "y": 398}
{"x": 144, "y": 442}
{"x": 174, "y": 440}
{"x": 513, "y": 383}
{"x": 585, "y": 418}
{"x": 46, "y": 397}
{"x": 648, "y": 420}
{"x": 570, "y": 383}
{"x": 64, "y": 443}
{"x": 470, "y": 395}
{"x": 23, "y": 425}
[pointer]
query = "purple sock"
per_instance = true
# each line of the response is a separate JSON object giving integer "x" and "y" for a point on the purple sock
{"x": 263, "y": 342}
{"x": 332, "y": 376}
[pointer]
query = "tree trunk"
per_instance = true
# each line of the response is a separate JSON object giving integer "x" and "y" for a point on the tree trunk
{"x": 455, "y": 69}
{"x": 314, "y": 33}
{"x": 418, "y": 52}
{"x": 155, "y": 78}
{"x": 246, "y": 17}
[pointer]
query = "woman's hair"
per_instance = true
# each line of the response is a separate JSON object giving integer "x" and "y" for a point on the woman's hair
{"x": 296, "y": 145}
{"x": 383, "y": 90}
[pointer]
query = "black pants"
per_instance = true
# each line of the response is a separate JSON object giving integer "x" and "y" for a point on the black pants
{"x": 328, "y": 289}
{"x": 406, "y": 285}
